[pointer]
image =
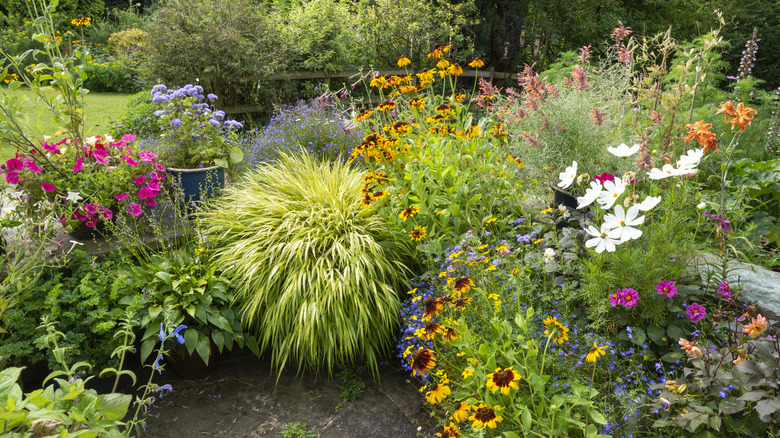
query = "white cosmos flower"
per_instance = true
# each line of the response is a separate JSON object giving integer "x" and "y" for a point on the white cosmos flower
{"x": 667, "y": 171}
{"x": 590, "y": 195}
{"x": 567, "y": 176}
{"x": 623, "y": 150}
{"x": 624, "y": 221}
{"x": 603, "y": 240}
{"x": 612, "y": 191}
{"x": 691, "y": 158}
{"x": 649, "y": 203}
{"x": 549, "y": 255}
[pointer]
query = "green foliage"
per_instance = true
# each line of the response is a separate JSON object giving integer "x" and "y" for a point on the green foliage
{"x": 60, "y": 407}
{"x": 762, "y": 181}
{"x": 182, "y": 287}
{"x": 110, "y": 77}
{"x": 314, "y": 273}
{"x": 320, "y": 36}
{"x": 136, "y": 117}
{"x": 83, "y": 296}
{"x": 352, "y": 386}
{"x": 216, "y": 43}
{"x": 297, "y": 430}
{"x": 66, "y": 9}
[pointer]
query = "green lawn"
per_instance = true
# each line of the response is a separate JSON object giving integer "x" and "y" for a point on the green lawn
{"x": 101, "y": 108}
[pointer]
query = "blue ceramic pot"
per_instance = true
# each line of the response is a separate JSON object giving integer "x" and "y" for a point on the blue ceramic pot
{"x": 197, "y": 184}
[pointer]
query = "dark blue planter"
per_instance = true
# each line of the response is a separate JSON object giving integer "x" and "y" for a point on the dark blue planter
{"x": 197, "y": 184}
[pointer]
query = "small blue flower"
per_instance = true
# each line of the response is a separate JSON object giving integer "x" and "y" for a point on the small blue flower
{"x": 212, "y": 96}
{"x": 162, "y": 336}
{"x": 156, "y": 366}
{"x": 179, "y": 337}
{"x": 175, "y": 123}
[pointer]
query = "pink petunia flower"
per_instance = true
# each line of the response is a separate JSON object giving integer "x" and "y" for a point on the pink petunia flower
{"x": 47, "y": 187}
{"x": 146, "y": 156}
{"x": 127, "y": 138}
{"x": 91, "y": 208}
{"x": 100, "y": 155}
{"x": 14, "y": 164}
{"x": 12, "y": 177}
{"x": 121, "y": 196}
{"x": 129, "y": 160}
{"x": 48, "y": 147}
{"x": 154, "y": 185}
{"x": 107, "y": 214}
{"x": 91, "y": 222}
{"x": 666, "y": 288}
{"x": 139, "y": 180}
{"x": 696, "y": 312}
{"x": 151, "y": 202}
{"x": 630, "y": 297}
{"x": 146, "y": 193}
{"x": 32, "y": 166}
{"x": 79, "y": 165}
{"x": 134, "y": 209}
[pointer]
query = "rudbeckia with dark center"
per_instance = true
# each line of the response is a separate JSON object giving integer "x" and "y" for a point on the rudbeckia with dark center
{"x": 439, "y": 391}
{"x": 409, "y": 212}
{"x": 364, "y": 115}
{"x": 476, "y": 63}
{"x": 517, "y": 161}
{"x": 431, "y": 306}
{"x": 461, "y": 302}
{"x": 418, "y": 234}
{"x": 422, "y": 361}
{"x": 418, "y": 103}
{"x": 485, "y": 416}
{"x": 558, "y": 331}
{"x": 449, "y": 431}
{"x": 404, "y": 61}
{"x": 595, "y": 352}
{"x": 461, "y": 411}
{"x": 503, "y": 379}
{"x": 463, "y": 284}
{"x": 386, "y": 106}
{"x": 429, "y": 331}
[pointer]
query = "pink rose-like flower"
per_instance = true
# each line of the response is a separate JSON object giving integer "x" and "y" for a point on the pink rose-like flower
{"x": 615, "y": 298}
{"x": 14, "y": 164}
{"x": 134, "y": 209}
{"x": 666, "y": 288}
{"x": 121, "y": 196}
{"x": 47, "y": 187}
{"x": 79, "y": 165}
{"x": 32, "y": 166}
{"x": 12, "y": 177}
{"x": 696, "y": 312}
{"x": 630, "y": 297}
{"x": 724, "y": 290}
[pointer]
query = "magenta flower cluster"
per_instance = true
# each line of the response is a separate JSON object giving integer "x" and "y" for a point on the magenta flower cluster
{"x": 666, "y": 288}
{"x": 625, "y": 297}
{"x": 696, "y": 312}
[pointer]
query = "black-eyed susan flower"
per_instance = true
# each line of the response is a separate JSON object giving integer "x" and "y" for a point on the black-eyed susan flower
{"x": 439, "y": 51}
{"x": 439, "y": 391}
{"x": 468, "y": 372}
{"x": 427, "y": 75}
{"x": 418, "y": 103}
{"x": 81, "y": 20}
{"x": 364, "y": 115}
{"x": 485, "y": 416}
{"x": 503, "y": 379}
{"x": 463, "y": 284}
{"x": 595, "y": 352}
{"x": 517, "y": 161}
{"x": 431, "y": 306}
{"x": 404, "y": 61}
{"x": 421, "y": 361}
{"x": 462, "y": 410}
{"x": 449, "y": 431}
{"x": 450, "y": 334}
{"x": 476, "y": 63}
{"x": 386, "y": 106}
{"x": 418, "y": 234}
{"x": 443, "y": 64}
{"x": 461, "y": 302}
{"x": 558, "y": 331}
{"x": 408, "y": 212}
{"x": 377, "y": 81}
{"x": 429, "y": 330}
{"x": 365, "y": 202}
{"x": 455, "y": 70}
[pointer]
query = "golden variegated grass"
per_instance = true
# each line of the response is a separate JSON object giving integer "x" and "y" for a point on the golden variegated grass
{"x": 313, "y": 279}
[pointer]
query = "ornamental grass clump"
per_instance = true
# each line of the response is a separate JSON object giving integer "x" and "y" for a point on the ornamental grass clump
{"x": 312, "y": 277}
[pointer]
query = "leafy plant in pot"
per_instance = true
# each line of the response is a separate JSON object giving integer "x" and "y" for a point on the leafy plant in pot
{"x": 196, "y": 143}
{"x": 182, "y": 287}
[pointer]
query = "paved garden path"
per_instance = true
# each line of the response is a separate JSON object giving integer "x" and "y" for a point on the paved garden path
{"x": 240, "y": 399}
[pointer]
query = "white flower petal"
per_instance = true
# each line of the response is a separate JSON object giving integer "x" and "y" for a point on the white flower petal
{"x": 568, "y": 175}
{"x": 623, "y": 150}
{"x": 591, "y": 195}
{"x": 649, "y": 203}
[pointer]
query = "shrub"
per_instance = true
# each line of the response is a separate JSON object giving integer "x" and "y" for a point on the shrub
{"x": 320, "y": 36}
{"x": 215, "y": 43}
{"x": 311, "y": 273}
{"x": 110, "y": 77}
{"x": 137, "y": 117}
{"x": 312, "y": 126}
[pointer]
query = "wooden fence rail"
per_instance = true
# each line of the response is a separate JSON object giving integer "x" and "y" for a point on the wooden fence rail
{"x": 326, "y": 76}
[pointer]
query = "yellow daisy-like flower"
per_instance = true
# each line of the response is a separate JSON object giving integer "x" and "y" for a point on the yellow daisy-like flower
{"x": 549, "y": 210}
{"x": 409, "y": 212}
{"x": 476, "y": 63}
{"x": 503, "y": 379}
{"x": 81, "y": 21}
{"x": 418, "y": 103}
{"x": 442, "y": 64}
{"x": 558, "y": 331}
{"x": 420, "y": 361}
{"x": 404, "y": 61}
{"x": 439, "y": 391}
{"x": 461, "y": 411}
{"x": 537, "y": 241}
{"x": 455, "y": 70}
{"x": 449, "y": 431}
{"x": 364, "y": 115}
{"x": 468, "y": 372}
{"x": 595, "y": 352}
{"x": 418, "y": 234}
{"x": 485, "y": 416}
